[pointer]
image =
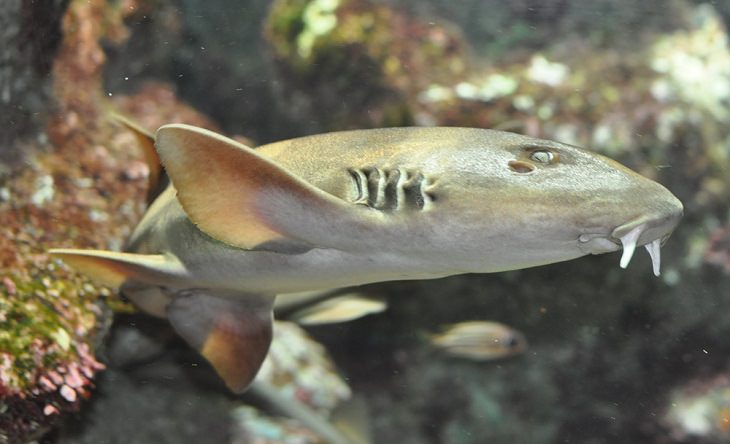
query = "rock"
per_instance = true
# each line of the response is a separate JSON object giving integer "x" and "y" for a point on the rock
{"x": 67, "y": 193}
{"x": 357, "y": 63}
{"x": 30, "y": 34}
{"x": 698, "y": 411}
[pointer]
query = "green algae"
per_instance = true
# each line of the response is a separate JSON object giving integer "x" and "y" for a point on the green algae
{"x": 42, "y": 323}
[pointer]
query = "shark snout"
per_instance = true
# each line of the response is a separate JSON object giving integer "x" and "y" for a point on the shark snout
{"x": 651, "y": 229}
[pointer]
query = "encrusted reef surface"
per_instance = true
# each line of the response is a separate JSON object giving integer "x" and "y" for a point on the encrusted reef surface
{"x": 615, "y": 355}
{"x": 78, "y": 181}
{"x": 30, "y": 33}
{"x": 50, "y": 318}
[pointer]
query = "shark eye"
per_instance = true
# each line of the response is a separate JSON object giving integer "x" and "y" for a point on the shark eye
{"x": 542, "y": 156}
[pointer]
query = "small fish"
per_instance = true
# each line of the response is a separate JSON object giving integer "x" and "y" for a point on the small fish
{"x": 343, "y": 308}
{"x": 238, "y": 226}
{"x": 480, "y": 340}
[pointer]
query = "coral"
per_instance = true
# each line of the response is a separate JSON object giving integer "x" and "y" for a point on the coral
{"x": 357, "y": 62}
{"x": 255, "y": 427}
{"x": 50, "y": 318}
{"x": 695, "y": 66}
{"x": 700, "y": 409}
{"x": 82, "y": 186}
{"x": 301, "y": 369}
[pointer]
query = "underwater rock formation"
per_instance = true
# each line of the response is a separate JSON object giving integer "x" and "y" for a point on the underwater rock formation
{"x": 699, "y": 411}
{"x": 161, "y": 386}
{"x": 357, "y": 63}
{"x": 81, "y": 183}
{"x": 50, "y": 318}
{"x": 30, "y": 33}
{"x": 301, "y": 371}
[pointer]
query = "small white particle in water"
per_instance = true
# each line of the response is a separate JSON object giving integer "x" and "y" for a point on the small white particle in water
{"x": 126, "y": 78}
{"x": 704, "y": 351}
{"x": 109, "y": 94}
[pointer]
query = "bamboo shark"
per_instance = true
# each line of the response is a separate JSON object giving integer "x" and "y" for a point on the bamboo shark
{"x": 238, "y": 226}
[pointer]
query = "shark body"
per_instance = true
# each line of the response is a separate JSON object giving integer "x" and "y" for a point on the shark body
{"x": 238, "y": 226}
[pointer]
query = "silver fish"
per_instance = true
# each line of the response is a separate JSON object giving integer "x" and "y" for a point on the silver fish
{"x": 341, "y": 308}
{"x": 480, "y": 340}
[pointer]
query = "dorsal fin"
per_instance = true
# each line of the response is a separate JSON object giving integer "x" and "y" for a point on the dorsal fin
{"x": 157, "y": 180}
{"x": 241, "y": 198}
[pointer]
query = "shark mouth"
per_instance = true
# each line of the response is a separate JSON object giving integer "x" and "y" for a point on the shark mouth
{"x": 629, "y": 241}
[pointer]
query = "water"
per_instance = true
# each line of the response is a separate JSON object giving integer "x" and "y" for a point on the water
{"x": 614, "y": 355}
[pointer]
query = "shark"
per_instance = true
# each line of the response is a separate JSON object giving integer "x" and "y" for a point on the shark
{"x": 237, "y": 226}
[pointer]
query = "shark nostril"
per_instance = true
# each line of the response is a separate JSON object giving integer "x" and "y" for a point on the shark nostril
{"x": 521, "y": 167}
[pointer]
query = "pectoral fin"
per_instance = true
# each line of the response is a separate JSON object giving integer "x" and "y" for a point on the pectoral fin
{"x": 246, "y": 200}
{"x": 113, "y": 268}
{"x": 232, "y": 332}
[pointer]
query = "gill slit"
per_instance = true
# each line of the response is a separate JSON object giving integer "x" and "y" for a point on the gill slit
{"x": 390, "y": 189}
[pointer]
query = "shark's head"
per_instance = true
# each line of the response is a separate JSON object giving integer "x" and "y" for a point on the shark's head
{"x": 540, "y": 201}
